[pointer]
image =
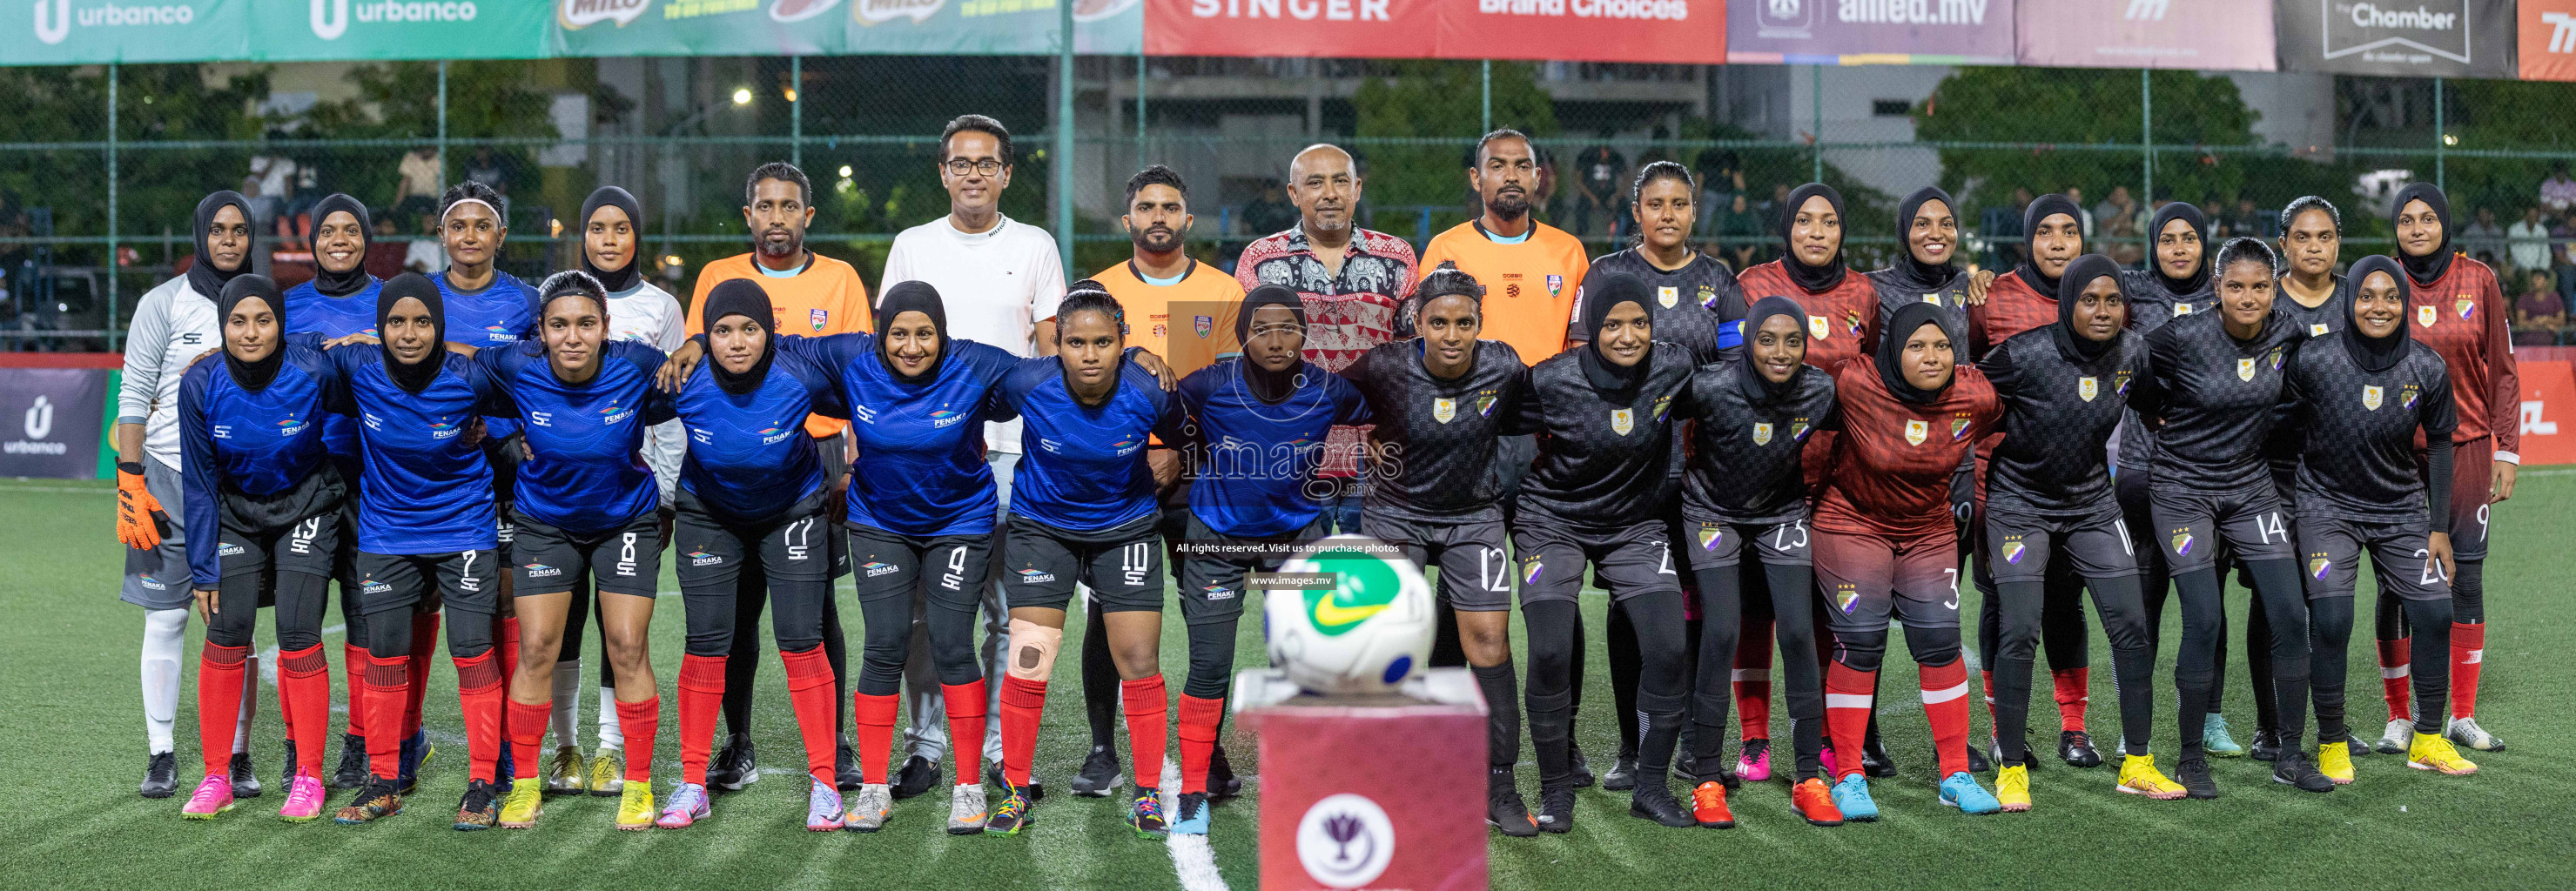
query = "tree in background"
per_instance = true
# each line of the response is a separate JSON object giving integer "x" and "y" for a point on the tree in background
{"x": 156, "y": 189}
{"x": 1417, "y": 126}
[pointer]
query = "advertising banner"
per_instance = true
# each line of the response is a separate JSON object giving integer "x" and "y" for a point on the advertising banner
{"x": 2547, "y": 39}
{"x": 71, "y": 32}
{"x": 2204, "y": 35}
{"x": 1667, "y": 31}
{"x": 1870, "y": 32}
{"x": 313, "y": 30}
{"x": 2413, "y": 38}
{"x": 834, "y": 27}
{"x": 51, "y": 420}
{"x": 2548, "y": 397}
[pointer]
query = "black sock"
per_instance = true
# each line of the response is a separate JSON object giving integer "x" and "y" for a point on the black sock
{"x": 1099, "y": 679}
{"x": 1502, "y": 721}
{"x": 2276, "y": 584}
{"x": 2018, "y": 607}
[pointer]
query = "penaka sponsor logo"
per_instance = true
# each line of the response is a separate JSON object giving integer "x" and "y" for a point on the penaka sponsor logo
{"x": 54, "y": 20}
{"x": 578, "y": 14}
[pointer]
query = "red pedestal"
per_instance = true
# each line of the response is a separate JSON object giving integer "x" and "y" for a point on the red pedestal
{"x": 1373, "y": 792}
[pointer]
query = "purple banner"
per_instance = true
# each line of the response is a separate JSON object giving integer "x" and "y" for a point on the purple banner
{"x": 50, "y": 419}
{"x": 1870, "y": 32}
{"x": 2206, "y": 35}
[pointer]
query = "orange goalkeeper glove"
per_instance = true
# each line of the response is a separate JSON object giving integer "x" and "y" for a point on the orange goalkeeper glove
{"x": 138, "y": 514}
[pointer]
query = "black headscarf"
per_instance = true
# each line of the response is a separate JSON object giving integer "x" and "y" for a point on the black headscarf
{"x": 1266, "y": 385}
{"x": 342, "y": 284}
{"x": 912, "y": 296}
{"x": 2080, "y": 273}
{"x": 1891, "y": 352}
{"x": 2429, "y": 268}
{"x": 413, "y": 378}
{"x": 1911, "y": 273}
{"x": 2040, "y": 209}
{"x": 616, "y": 280}
{"x": 252, "y": 375}
{"x": 2376, "y": 354}
{"x": 746, "y": 298}
{"x": 1756, "y": 387}
{"x": 203, "y": 277}
{"x": 1599, "y": 298}
{"x": 2199, "y": 280}
{"x": 1815, "y": 279}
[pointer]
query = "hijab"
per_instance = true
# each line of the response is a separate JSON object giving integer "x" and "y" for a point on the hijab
{"x": 1269, "y": 387}
{"x": 2080, "y": 274}
{"x": 744, "y": 297}
{"x": 252, "y": 375}
{"x": 203, "y": 277}
{"x": 413, "y": 378}
{"x": 1891, "y": 353}
{"x": 2178, "y": 288}
{"x": 2040, "y": 209}
{"x": 1756, "y": 387}
{"x": 1910, "y": 272}
{"x": 1814, "y": 279}
{"x": 2429, "y": 268}
{"x": 1599, "y": 299}
{"x": 2377, "y": 354}
{"x": 913, "y": 296}
{"x": 622, "y": 279}
{"x": 342, "y": 284}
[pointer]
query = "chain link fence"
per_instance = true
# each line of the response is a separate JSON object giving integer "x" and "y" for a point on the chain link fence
{"x": 92, "y": 215}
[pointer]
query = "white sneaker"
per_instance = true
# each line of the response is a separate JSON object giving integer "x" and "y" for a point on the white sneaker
{"x": 867, "y": 812}
{"x": 2466, "y": 732}
{"x": 966, "y": 809}
{"x": 2399, "y": 735}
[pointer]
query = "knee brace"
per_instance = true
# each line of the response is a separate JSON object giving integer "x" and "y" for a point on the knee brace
{"x": 1033, "y": 650}
{"x": 1860, "y": 650}
{"x": 1935, "y": 645}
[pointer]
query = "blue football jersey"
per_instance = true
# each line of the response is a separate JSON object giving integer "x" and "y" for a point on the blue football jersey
{"x": 922, "y": 444}
{"x": 1255, "y": 457}
{"x": 748, "y": 454}
{"x": 1084, "y": 468}
{"x": 504, "y": 312}
{"x": 586, "y": 475}
{"x": 424, "y": 489}
{"x": 260, "y": 442}
{"x": 307, "y": 311}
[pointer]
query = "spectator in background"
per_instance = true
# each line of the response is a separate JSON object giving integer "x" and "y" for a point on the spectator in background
{"x": 489, "y": 168}
{"x": 1270, "y": 212}
{"x": 2219, "y": 225}
{"x": 2539, "y": 313}
{"x": 1742, "y": 232}
{"x": 1775, "y": 211}
{"x": 425, "y": 256}
{"x": 2119, "y": 238}
{"x": 2527, "y": 241}
{"x": 1599, "y": 171}
{"x": 421, "y": 181}
{"x": 271, "y": 182}
{"x": 2558, "y": 193}
{"x": 2117, "y": 206}
{"x": 2483, "y": 235}
{"x": 1721, "y": 178}
{"x": 2249, "y": 219}
{"x": 385, "y": 250}
{"x": 2076, "y": 195}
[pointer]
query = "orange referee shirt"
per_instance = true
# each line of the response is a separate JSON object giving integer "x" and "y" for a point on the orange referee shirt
{"x": 826, "y": 297}
{"x": 1189, "y": 322}
{"x": 1529, "y": 284}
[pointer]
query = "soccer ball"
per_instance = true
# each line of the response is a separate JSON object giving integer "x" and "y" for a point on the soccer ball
{"x": 1368, "y": 633}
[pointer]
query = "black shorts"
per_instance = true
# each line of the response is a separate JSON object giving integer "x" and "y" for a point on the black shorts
{"x": 466, "y": 580}
{"x": 2192, "y": 525}
{"x": 623, "y": 560}
{"x": 1475, "y": 570}
{"x": 503, "y": 455}
{"x": 890, "y": 564}
{"x": 2399, "y": 557}
{"x": 1712, "y": 544}
{"x": 712, "y": 549}
{"x": 2019, "y": 545}
{"x": 1211, "y": 585}
{"x": 305, "y": 546}
{"x": 1122, "y": 564}
{"x": 1629, "y": 561}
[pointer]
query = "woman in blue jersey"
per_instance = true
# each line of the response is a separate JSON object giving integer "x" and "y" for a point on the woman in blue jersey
{"x": 586, "y": 505}
{"x": 488, "y": 307}
{"x": 261, "y": 490}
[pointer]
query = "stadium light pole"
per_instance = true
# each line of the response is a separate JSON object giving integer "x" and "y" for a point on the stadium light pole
{"x": 1816, "y": 94}
{"x": 1062, "y": 164}
{"x": 2441, "y": 140}
{"x": 796, "y": 111}
{"x": 1485, "y": 83}
{"x": 442, "y": 123}
{"x": 1140, "y": 107}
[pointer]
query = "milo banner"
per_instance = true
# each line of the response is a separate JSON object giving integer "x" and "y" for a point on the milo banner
{"x": 312, "y": 30}
{"x": 70, "y": 32}
{"x": 2413, "y": 38}
{"x": 833, "y": 27}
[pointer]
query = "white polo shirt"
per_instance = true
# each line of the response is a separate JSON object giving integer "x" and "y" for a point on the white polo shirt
{"x": 997, "y": 285}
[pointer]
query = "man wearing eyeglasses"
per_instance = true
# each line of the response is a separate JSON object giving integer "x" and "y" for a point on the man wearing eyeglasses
{"x": 1000, "y": 280}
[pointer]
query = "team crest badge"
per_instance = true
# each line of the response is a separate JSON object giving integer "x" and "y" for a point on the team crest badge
{"x": 2088, "y": 387}
{"x": 2244, "y": 369}
{"x": 2276, "y": 358}
{"x": 1916, "y": 431}
{"x": 2370, "y": 396}
{"x": 2182, "y": 309}
{"x": 1709, "y": 536}
{"x": 1485, "y": 405}
{"x": 1761, "y": 433}
{"x": 1845, "y": 597}
{"x": 2464, "y": 307}
{"x": 1851, "y": 322}
{"x": 1663, "y": 405}
{"x": 1555, "y": 285}
{"x": 1623, "y": 420}
{"x": 1708, "y": 295}
{"x": 1959, "y": 427}
{"x": 2014, "y": 549}
{"x": 2318, "y": 567}
{"x": 1668, "y": 295}
{"x": 1934, "y": 299}
{"x": 2182, "y": 542}
{"x": 2406, "y": 396}
{"x": 2424, "y": 315}
{"x": 1202, "y": 324}
{"x": 1817, "y": 328}
{"x": 1530, "y": 569}
{"x": 1797, "y": 429}
{"x": 1443, "y": 410}
{"x": 2319, "y": 330}
{"x": 2120, "y": 382}
{"x": 819, "y": 317}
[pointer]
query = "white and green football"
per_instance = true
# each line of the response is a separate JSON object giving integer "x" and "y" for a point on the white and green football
{"x": 1366, "y": 634}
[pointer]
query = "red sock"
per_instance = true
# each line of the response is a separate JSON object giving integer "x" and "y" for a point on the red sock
{"x": 2396, "y": 675}
{"x": 639, "y": 722}
{"x": 525, "y": 727}
{"x": 1148, "y": 710}
{"x": 424, "y": 646}
{"x": 478, "y": 695}
{"x": 1989, "y": 675}
{"x": 1945, "y": 703}
{"x": 1847, "y": 712}
{"x": 353, "y": 662}
{"x": 966, "y": 729}
{"x": 507, "y": 656}
{"x": 388, "y": 683}
{"x": 809, "y": 691}
{"x": 1023, "y": 701}
{"x": 2074, "y": 693}
{"x": 304, "y": 696}
{"x": 1199, "y": 719}
{"x": 2468, "y": 652}
{"x": 219, "y": 691}
{"x": 702, "y": 685}
{"x": 875, "y": 717}
{"x": 1752, "y": 679}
